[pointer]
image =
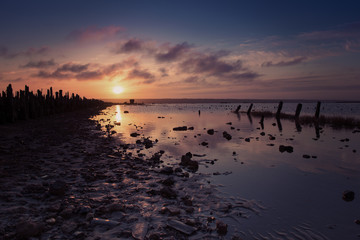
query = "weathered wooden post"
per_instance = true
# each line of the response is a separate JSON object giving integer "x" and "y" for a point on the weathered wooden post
{"x": 249, "y": 110}
{"x": 238, "y": 109}
{"x": 279, "y": 109}
{"x": 10, "y": 106}
{"x": 298, "y": 110}
{"x": 317, "y": 113}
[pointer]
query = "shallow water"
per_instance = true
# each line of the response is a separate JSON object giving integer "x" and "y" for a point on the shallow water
{"x": 302, "y": 196}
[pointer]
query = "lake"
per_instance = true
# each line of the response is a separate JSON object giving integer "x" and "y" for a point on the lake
{"x": 298, "y": 193}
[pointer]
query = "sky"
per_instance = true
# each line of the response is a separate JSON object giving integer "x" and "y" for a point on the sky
{"x": 183, "y": 49}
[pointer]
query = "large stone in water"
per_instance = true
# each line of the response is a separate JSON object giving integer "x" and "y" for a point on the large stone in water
{"x": 181, "y": 227}
{"x": 348, "y": 196}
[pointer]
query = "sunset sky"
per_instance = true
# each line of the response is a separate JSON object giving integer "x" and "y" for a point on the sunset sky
{"x": 183, "y": 49}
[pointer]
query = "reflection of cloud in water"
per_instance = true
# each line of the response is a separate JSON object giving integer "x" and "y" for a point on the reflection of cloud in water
{"x": 329, "y": 158}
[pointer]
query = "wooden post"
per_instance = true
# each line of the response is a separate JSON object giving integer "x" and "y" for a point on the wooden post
{"x": 317, "y": 113}
{"x": 279, "y": 109}
{"x": 238, "y": 109}
{"x": 249, "y": 110}
{"x": 298, "y": 110}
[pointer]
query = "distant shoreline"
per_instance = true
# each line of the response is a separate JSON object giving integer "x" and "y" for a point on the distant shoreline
{"x": 208, "y": 100}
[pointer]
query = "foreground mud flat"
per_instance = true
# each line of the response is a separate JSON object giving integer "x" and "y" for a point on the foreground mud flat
{"x": 62, "y": 179}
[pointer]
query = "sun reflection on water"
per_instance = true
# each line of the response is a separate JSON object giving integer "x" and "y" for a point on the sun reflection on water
{"x": 118, "y": 114}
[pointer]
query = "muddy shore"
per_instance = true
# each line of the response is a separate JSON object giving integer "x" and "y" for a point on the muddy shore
{"x": 62, "y": 178}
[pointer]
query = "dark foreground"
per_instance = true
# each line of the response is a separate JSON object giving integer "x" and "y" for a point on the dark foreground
{"x": 60, "y": 178}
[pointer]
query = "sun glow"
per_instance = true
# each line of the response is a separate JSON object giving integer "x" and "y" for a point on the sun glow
{"x": 118, "y": 89}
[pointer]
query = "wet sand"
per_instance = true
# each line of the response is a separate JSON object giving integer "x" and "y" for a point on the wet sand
{"x": 62, "y": 179}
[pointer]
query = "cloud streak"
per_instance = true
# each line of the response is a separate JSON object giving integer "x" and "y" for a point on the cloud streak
{"x": 5, "y": 53}
{"x": 39, "y": 64}
{"x": 94, "y": 33}
{"x": 173, "y": 53}
{"x": 284, "y": 63}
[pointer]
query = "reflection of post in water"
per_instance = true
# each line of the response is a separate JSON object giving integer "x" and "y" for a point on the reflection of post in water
{"x": 249, "y": 110}
{"x": 317, "y": 129}
{"x": 250, "y": 118}
{"x": 297, "y": 125}
{"x": 279, "y": 124}
{"x": 262, "y": 122}
{"x": 297, "y": 115}
{"x": 238, "y": 116}
{"x": 279, "y": 109}
{"x": 199, "y": 112}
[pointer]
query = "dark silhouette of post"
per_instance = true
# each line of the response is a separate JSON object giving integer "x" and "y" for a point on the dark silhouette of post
{"x": 298, "y": 110}
{"x": 238, "y": 109}
{"x": 279, "y": 124}
{"x": 262, "y": 122}
{"x": 279, "y": 109}
{"x": 317, "y": 113}
{"x": 249, "y": 110}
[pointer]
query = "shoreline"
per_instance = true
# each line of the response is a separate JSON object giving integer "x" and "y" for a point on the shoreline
{"x": 61, "y": 178}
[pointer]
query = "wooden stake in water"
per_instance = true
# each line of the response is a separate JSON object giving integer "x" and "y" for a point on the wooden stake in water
{"x": 317, "y": 113}
{"x": 279, "y": 109}
{"x": 238, "y": 109}
{"x": 249, "y": 110}
{"x": 298, "y": 110}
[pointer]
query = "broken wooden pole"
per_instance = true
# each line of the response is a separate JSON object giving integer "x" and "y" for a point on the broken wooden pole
{"x": 298, "y": 110}
{"x": 279, "y": 109}
{"x": 238, "y": 109}
{"x": 249, "y": 110}
{"x": 317, "y": 113}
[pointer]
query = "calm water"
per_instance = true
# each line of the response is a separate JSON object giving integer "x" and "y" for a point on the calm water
{"x": 297, "y": 192}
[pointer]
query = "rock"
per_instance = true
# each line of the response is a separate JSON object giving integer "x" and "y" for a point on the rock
{"x": 167, "y": 170}
{"x": 229, "y": 123}
{"x": 27, "y": 229}
{"x": 221, "y": 227}
{"x": 167, "y": 192}
{"x": 306, "y": 156}
{"x": 58, "y": 188}
{"x": 69, "y": 227}
{"x": 348, "y": 196}
{"x": 210, "y": 131}
{"x": 168, "y": 182}
{"x": 183, "y": 128}
{"x": 288, "y": 149}
{"x": 227, "y": 136}
{"x": 247, "y": 139}
{"x": 106, "y": 222}
{"x": 191, "y": 128}
{"x": 181, "y": 227}
{"x": 126, "y": 111}
{"x": 67, "y": 212}
{"x": 139, "y": 230}
{"x": 262, "y": 134}
{"x": 204, "y": 144}
{"x": 187, "y": 162}
{"x": 134, "y": 134}
{"x": 51, "y": 221}
{"x": 271, "y": 137}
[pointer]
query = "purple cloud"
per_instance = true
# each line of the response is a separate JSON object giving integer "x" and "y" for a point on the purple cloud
{"x": 173, "y": 53}
{"x": 94, "y": 33}
{"x": 210, "y": 65}
{"x": 141, "y": 74}
{"x": 4, "y": 52}
{"x": 39, "y": 64}
{"x": 71, "y": 67}
{"x": 130, "y": 46}
{"x": 89, "y": 75}
{"x": 284, "y": 63}
{"x": 192, "y": 79}
{"x": 164, "y": 72}
{"x": 54, "y": 75}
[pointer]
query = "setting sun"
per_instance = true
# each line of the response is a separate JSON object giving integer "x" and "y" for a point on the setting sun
{"x": 118, "y": 89}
